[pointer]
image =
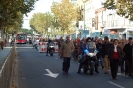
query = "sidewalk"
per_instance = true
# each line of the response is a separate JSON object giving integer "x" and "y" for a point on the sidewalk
{"x": 4, "y": 53}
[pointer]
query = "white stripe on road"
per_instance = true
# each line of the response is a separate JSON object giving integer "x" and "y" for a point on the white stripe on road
{"x": 116, "y": 84}
{"x": 24, "y": 47}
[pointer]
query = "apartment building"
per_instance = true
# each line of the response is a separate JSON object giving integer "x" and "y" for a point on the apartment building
{"x": 98, "y": 19}
{"x": 116, "y": 25}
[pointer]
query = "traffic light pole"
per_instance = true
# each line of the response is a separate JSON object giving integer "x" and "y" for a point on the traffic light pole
{"x": 84, "y": 19}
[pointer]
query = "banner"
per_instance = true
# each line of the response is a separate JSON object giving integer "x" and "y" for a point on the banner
{"x": 98, "y": 34}
{"x": 85, "y": 33}
{"x": 103, "y": 35}
{"x": 112, "y": 36}
{"x": 73, "y": 36}
{"x": 92, "y": 34}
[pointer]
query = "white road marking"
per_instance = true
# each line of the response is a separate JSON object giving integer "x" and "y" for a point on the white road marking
{"x": 24, "y": 47}
{"x": 54, "y": 75}
{"x": 116, "y": 84}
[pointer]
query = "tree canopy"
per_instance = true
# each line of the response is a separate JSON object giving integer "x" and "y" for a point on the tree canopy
{"x": 66, "y": 13}
{"x": 12, "y": 11}
{"x": 41, "y": 21}
{"x": 123, "y": 7}
{"x": 27, "y": 31}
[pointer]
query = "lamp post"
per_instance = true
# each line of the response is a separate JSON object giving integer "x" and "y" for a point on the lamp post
{"x": 84, "y": 16}
{"x": 102, "y": 26}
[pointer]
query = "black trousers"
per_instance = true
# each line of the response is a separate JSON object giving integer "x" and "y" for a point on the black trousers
{"x": 114, "y": 67}
{"x": 66, "y": 64}
{"x": 47, "y": 50}
{"x": 128, "y": 66}
{"x": 2, "y": 47}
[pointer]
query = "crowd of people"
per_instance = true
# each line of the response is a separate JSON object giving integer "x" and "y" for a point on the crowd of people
{"x": 111, "y": 54}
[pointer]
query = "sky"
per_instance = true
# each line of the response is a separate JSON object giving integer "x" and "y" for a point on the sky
{"x": 40, "y": 6}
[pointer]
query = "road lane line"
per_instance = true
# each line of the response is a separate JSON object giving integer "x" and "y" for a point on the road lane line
{"x": 116, "y": 84}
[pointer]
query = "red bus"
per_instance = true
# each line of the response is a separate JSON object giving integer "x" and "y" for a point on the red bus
{"x": 21, "y": 38}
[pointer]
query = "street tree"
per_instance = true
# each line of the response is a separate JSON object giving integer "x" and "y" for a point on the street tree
{"x": 123, "y": 7}
{"x": 41, "y": 21}
{"x": 65, "y": 13}
{"x": 12, "y": 11}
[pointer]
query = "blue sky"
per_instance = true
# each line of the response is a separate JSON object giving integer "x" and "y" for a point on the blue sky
{"x": 40, "y": 6}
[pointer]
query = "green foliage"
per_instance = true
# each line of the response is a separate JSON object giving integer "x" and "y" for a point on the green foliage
{"x": 27, "y": 31}
{"x": 12, "y": 11}
{"x": 123, "y": 7}
{"x": 41, "y": 21}
{"x": 65, "y": 13}
{"x": 109, "y": 4}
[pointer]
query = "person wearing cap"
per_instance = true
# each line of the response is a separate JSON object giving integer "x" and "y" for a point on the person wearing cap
{"x": 128, "y": 50}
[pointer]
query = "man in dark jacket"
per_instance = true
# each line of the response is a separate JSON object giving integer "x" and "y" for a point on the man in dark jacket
{"x": 105, "y": 49}
{"x": 99, "y": 54}
{"x": 49, "y": 41}
{"x": 128, "y": 50}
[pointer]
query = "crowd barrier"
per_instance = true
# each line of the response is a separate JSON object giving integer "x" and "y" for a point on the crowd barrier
{"x": 42, "y": 46}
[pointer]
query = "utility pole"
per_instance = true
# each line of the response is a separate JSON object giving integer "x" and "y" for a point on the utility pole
{"x": 84, "y": 17}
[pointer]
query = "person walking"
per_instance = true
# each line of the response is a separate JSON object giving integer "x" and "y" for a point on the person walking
{"x": 105, "y": 49}
{"x": 66, "y": 49}
{"x": 122, "y": 44}
{"x": 2, "y": 44}
{"x": 99, "y": 54}
{"x": 115, "y": 56}
{"x": 128, "y": 50}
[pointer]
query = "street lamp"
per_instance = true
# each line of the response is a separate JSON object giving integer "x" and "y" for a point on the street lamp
{"x": 84, "y": 16}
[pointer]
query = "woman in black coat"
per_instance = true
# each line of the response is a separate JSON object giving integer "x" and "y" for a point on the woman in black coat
{"x": 115, "y": 53}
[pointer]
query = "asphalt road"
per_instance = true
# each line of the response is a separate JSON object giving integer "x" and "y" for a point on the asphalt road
{"x": 33, "y": 67}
